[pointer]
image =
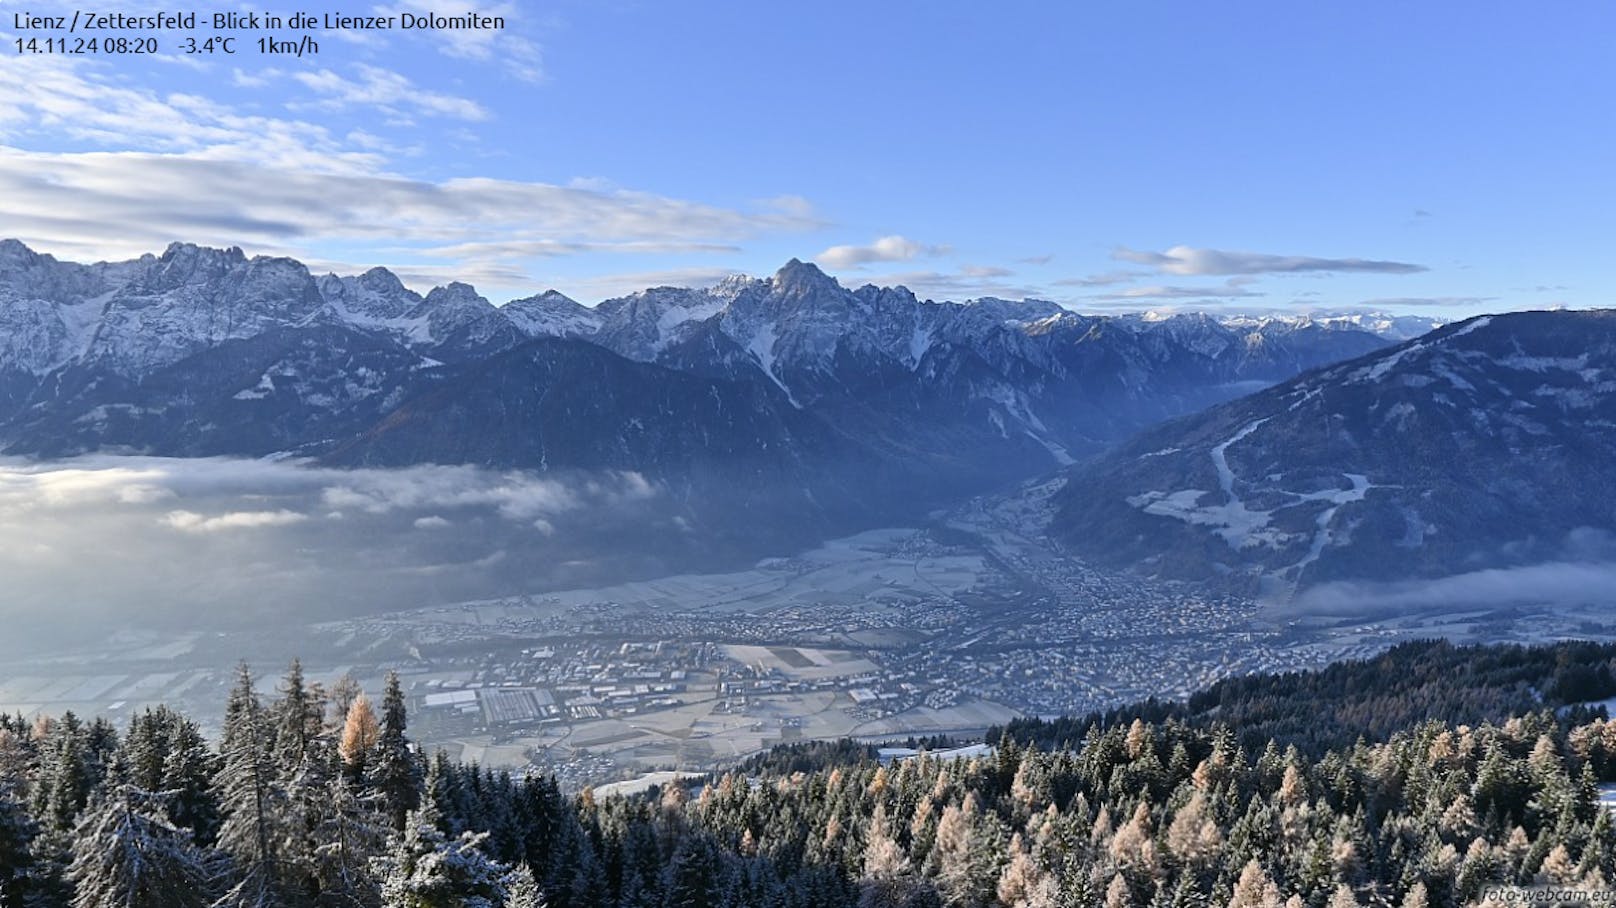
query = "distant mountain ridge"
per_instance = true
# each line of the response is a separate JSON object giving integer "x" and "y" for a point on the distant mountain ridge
{"x": 829, "y": 396}
{"x": 1484, "y": 444}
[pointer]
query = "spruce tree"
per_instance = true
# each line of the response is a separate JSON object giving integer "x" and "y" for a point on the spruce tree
{"x": 393, "y": 769}
{"x": 189, "y": 768}
{"x": 298, "y": 720}
{"x": 127, "y": 854}
{"x": 165, "y": 752}
{"x": 425, "y": 869}
{"x": 350, "y": 834}
{"x": 61, "y": 788}
{"x": 521, "y": 890}
{"x": 692, "y": 875}
{"x": 62, "y": 785}
{"x": 253, "y": 813}
{"x": 303, "y": 757}
{"x": 17, "y": 831}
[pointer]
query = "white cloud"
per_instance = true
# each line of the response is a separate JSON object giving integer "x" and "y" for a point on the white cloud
{"x": 186, "y": 168}
{"x": 539, "y": 248}
{"x": 966, "y": 283}
{"x": 794, "y": 205}
{"x": 886, "y": 249}
{"x": 62, "y": 97}
{"x": 23, "y": 489}
{"x": 1230, "y": 290}
{"x": 512, "y": 51}
{"x": 985, "y": 271}
{"x": 128, "y": 203}
{"x": 1424, "y": 301}
{"x": 97, "y": 483}
{"x": 1188, "y": 260}
{"x": 387, "y": 90}
{"x": 242, "y": 78}
{"x": 102, "y": 544}
{"x": 516, "y": 496}
{"x": 192, "y": 522}
{"x": 1107, "y": 279}
{"x": 1566, "y": 583}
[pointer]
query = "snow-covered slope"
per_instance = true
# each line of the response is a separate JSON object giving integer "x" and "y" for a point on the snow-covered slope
{"x": 190, "y": 299}
{"x": 1484, "y": 443}
{"x": 551, "y": 314}
{"x": 49, "y": 310}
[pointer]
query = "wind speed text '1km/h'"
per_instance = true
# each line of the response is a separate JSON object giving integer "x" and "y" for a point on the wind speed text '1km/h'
{"x": 226, "y": 33}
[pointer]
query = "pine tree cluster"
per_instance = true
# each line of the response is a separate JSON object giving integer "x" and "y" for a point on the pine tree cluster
{"x": 1333, "y": 707}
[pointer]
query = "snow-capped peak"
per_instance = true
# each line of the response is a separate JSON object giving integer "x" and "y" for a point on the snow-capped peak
{"x": 551, "y": 314}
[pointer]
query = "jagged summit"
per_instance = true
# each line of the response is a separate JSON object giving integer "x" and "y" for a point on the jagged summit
{"x": 16, "y": 250}
{"x": 551, "y": 314}
{"x": 382, "y": 280}
{"x": 797, "y": 277}
{"x": 455, "y": 292}
{"x": 179, "y": 252}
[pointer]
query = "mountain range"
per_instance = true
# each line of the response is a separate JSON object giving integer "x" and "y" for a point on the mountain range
{"x": 845, "y": 406}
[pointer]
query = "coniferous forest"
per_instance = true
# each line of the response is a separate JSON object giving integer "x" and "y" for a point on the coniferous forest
{"x": 1452, "y": 783}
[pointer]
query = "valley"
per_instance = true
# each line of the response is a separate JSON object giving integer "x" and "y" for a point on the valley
{"x": 944, "y": 630}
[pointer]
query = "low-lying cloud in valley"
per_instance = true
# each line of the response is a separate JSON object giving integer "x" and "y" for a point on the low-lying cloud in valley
{"x": 1582, "y": 573}
{"x": 92, "y": 546}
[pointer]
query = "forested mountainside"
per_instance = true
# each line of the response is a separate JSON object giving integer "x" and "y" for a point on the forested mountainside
{"x": 1371, "y": 699}
{"x": 312, "y": 798}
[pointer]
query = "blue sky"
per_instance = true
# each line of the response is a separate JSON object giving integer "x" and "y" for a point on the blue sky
{"x": 1445, "y": 157}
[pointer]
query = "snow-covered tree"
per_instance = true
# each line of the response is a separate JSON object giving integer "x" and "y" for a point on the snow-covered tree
{"x": 522, "y": 890}
{"x": 164, "y": 751}
{"x": 425, "y": 869}
{"x": 692, "y": 874}
{"x": 128, "y": 854}
{"x": 251, "y": 802}
{"x": 393, "y": 769}
{"x": 298, "y": 719}
{"x": 351, "y": 833}
{"x": 62, "y": 785}
{"x": 17, "y": 833}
